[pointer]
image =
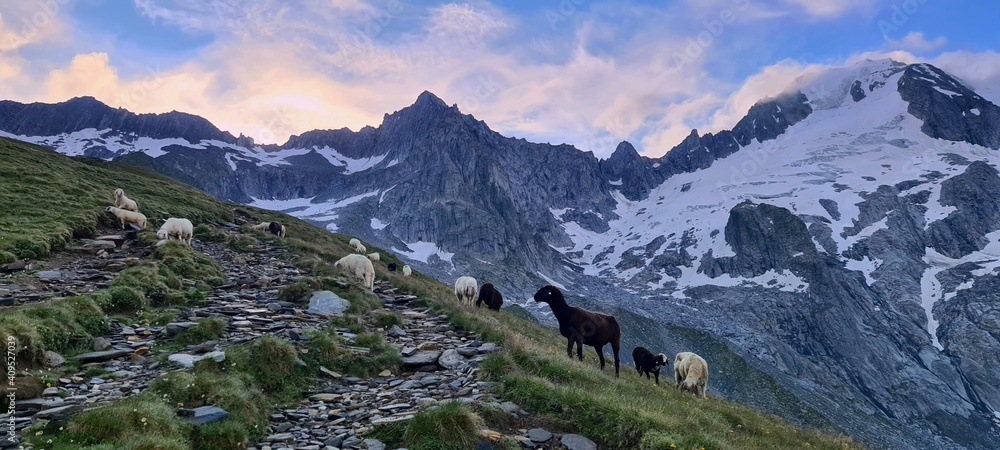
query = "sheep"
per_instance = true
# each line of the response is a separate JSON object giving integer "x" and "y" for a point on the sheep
{"x": 489, "y": 295}
{"x": 129, "y": 217}
{"x": 374, "y": 256}
{"x": 691, "y": 373}
{"x": 358, "y": 247}
{"x": 646, "y": 362}
{"x": 276, "y": 229}
{"x": 358, "y": 266}
{"x": 392, "y": 267}
{"x": 466, "y": 289}
{"x": 123, "y": 202}
{"x": 582, "y": 327}
{"x": 182, "y": 229}
{"x": 407, "y": 271}
{"x": 261, "y": 226}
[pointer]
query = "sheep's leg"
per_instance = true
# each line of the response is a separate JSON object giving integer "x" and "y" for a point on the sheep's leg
{"x": 569, "y": 348}
{"x": 579, "y": 349}
{"x": 657, "y": 374}
{"x": 600, "y": 355}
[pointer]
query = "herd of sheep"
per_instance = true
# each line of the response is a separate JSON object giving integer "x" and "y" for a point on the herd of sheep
{"x": 579, "y": 326}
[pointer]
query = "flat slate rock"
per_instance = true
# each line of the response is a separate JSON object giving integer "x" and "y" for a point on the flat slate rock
{"x": 577, "y": 442}
{"x": 422, "y": 358}
{"x": 106, "y": 355}
{"x": 326, "y": 302}
{"x": 539, "y": 435}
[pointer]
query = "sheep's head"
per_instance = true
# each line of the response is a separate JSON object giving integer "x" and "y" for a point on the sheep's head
{"x": 119, "y": 192}
{"x": 109, "y": 208}
{"x": 548, "y": 294}
{"x": 162, "y": 234}
{"x": 661, "y": 360}
{"x": 689, "y": 386}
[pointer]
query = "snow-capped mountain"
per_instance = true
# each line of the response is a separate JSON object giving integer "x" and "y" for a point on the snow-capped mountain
{"x": 843, "y": 239}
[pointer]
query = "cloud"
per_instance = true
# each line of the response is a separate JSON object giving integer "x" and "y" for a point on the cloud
{"x": 915, "y": 42}
{"x": 833, "y": 9}
{"x": 29, "y": 22}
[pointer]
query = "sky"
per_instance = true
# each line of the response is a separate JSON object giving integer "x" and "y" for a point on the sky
{"x": 583, "y": 72}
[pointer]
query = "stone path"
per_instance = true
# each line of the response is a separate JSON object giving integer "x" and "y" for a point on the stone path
{"x": 440, "y": 363}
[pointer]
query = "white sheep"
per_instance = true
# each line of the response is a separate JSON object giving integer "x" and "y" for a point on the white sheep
{"x": 263, "y": 226}
{"x": 358, "y": 266}
{"x": 407, "y": 271}
{"x": 691, "y": 373}
{"x": 182, "y": 229}
{"x": 123, "y": 202}
{"x": 374, "y": 256}
{"x": 358, "y": 247}
{"x": 129, "y": 217}
{"x": 466, "y": 289}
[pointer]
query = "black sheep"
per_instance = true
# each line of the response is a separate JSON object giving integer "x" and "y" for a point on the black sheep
{"x": 392, "y": 267}
{"x": 582, "y": 327}
{"x": 646, "y": 362}
{"x": 489, "y": 295}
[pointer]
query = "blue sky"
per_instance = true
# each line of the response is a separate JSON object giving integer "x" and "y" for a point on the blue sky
{"x": 584, "y": 72}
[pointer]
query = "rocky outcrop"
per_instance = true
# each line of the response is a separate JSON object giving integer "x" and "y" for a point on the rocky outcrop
{"x": 633, "y": 174}
{"x": 949, "y": 109}
{"x": 976, "y": 196}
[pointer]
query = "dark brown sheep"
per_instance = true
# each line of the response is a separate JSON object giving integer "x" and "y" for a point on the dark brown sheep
{"x": 582, "y": 327}
{"x": 489, "y": 295}
{"x": 276, "y": 229}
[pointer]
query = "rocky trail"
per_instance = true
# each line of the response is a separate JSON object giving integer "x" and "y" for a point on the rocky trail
{"x": 440, "y": 362}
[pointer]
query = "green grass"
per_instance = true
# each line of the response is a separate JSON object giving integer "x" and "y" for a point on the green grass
{"x": 448, "y": 426}
{"x": 65, "y": 326}
{"x": 43, "y": 212}
{"x": 207, "y": 329}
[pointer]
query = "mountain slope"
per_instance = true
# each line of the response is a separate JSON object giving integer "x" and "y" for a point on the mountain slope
{"x": 530, "y": 368}
{"x": 842, "y": 237}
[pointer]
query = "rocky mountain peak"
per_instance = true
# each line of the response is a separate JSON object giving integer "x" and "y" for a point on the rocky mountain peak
{"x": 949, "y": 109}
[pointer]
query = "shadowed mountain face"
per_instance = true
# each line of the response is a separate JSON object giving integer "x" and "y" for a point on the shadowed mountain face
{"x": 835, "y": 254}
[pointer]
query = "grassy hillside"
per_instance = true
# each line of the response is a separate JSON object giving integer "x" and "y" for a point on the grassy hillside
{"x": 49, "y": 200}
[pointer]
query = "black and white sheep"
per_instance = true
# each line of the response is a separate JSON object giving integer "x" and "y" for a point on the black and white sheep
{"x": 276, "y": 229}
{"x": 123, "y": 202}
{"x": 648, "y": 363}
{"x": 582, "y": 327}
{"x": 691, "y": 373}
{"x": 128, "y": 217}
{"x": 182, "y": 229}
{"x": 466, "y": 289}
{"x": 491, "y": 296}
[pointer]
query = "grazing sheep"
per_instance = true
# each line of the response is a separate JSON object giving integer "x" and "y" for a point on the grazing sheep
{"x": 374, "y": 256}
{"x": 489, "y": 295}
{"x": 358, "y": 266}
{"x": 276, "y": 229}
{"x": 358, "y": 247}
{"x": 646, "y": 362}
{"x": 407, "y": 271}
{"x": 392, "y": 267}
{"x": 182, "y": 229}
{"x": 123, "y": 202}
{"x": 129, "y": 217}
{"x": 691, "y": 373}
{"x": 582, "y": 327}
{"x": 466, "y": 289}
